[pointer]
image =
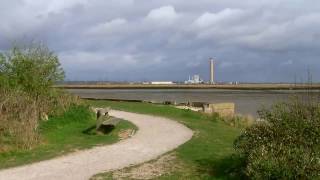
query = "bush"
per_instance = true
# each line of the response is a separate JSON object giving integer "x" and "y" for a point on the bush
{"x": 32, "y": 68}
{"x": 26, "y": 94}
{"x": 285, "y": 145}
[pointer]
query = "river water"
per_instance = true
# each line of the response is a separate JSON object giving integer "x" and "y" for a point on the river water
{"x": 247, "y": 102}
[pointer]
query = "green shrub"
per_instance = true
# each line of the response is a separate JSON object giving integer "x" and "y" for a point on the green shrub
{"x": 27, "y": 75}
{"x": 33, "y": 68}
{"x": 285, "y": 145}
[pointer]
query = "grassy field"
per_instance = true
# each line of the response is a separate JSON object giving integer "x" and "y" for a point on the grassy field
{"x": 208, "y": 155}
{"x": 69, "y": 132}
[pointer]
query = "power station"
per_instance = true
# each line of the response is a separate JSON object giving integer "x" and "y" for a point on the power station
{"x": 211, "y": 71}
{"x": 196, "y": 78}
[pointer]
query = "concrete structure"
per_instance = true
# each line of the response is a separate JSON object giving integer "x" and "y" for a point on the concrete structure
{"x": 211, "y": 71}
{"x": 162, "y": 82}
{"x": 223, "y": 109}
{"x": 195, "y": 79}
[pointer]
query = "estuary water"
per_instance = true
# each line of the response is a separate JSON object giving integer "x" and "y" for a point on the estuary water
{"x": 247, "y": 102}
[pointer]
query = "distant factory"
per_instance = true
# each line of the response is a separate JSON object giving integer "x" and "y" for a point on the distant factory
{"x": 195, "y": 79}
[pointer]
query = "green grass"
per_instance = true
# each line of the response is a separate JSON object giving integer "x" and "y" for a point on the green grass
{"x": 208, "y": 155}
{"x": 69, "y": 132}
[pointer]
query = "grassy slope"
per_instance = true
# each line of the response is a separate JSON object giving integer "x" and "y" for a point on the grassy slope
{"x": 207, "y": 155}
{"x": 64, "y": 134}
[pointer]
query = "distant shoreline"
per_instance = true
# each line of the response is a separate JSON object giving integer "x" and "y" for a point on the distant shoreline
{"x": 197, "y": 86}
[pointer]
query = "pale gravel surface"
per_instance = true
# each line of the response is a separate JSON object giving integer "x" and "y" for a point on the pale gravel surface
{"x": 155, "y": 137}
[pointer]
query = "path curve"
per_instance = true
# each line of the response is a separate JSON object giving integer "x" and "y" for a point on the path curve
{"x": 156, "y": 136}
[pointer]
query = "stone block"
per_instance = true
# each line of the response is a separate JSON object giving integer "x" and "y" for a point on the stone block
{"x": 223, "y": 109}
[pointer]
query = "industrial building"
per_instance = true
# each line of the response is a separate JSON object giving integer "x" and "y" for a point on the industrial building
{"x": 162, "y": 82}
{"x": 195, "y": 79}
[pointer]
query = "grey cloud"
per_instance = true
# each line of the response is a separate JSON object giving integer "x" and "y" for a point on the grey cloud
{"x": 171, "y": 39}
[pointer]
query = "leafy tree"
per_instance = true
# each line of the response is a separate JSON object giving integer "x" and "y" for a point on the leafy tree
{"x": 32, "y": 69}
{"x": 27, "y": 74}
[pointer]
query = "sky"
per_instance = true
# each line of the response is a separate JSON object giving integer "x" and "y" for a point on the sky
{"x": 168, "y": 40}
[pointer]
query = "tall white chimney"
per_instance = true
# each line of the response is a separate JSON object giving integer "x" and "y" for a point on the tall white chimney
{"x": 211, "y": 71}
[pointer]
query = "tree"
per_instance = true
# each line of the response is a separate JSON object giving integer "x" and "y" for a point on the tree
{"x": 27, "y": 74}
{"x": 33, "y": 69}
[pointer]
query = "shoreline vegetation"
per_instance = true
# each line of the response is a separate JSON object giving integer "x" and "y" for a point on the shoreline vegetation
{"x": 256, "y": 86}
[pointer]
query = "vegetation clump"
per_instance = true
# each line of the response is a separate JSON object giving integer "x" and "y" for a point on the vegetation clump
{"x": 286, "y": 144}
{"x": 26, "y": 95}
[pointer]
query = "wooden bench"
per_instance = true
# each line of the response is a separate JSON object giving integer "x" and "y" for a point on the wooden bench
{"x": 112, "y": 121}
{"x": 104, "y": 121}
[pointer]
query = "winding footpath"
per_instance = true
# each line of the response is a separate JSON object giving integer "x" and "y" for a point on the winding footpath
{"x": 155, "y": 137}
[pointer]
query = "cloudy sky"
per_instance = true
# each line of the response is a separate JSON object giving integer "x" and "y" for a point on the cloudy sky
{"x": 140, "y": 40}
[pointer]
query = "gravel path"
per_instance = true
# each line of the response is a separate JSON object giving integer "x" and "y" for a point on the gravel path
{"x": 155, "y": 136}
